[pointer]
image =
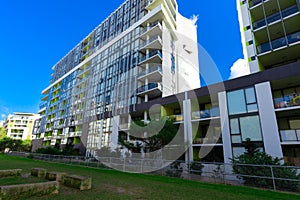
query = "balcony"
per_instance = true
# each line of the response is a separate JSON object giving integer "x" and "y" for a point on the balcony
{"x": 208, "y": 140}
{"x": 280, "y": 42}
{"x": 151, "y": 30}
{"x": 152, "y": 57}
{"x": 287, "y": 101}
{"x": 83, "y": 69}
{"x": 71, "y": 134}
{"x": 124, "y": 127}
{"x": 153, "y": 43}
{"x": 43, "y": 105}
{"x": 275, "y": 17}
{"x": 78, "y": 133}
{"x": 152, "y": 90}
{"x": 290, "y": 135}
{"x": 253, "y": 3}
{"x": 177, "y": 118}
{"x": 154, "y": 74}
{"x": 206, "y": 114}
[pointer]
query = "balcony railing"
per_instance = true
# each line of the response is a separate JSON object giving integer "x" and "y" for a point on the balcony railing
{"x": 43, "y": 105}
{"x": 157, "y": 37}
{"x": 152, "y": 54}
{"x": 255, "y": 2}
{"x": 148, "y": 87}
{"x": 290, "y": 135}
{"x": 150, "y": 27}
{"x": 287, "y": 101}
{"x": 124, "y": 126}
{"x": 177, "y": 118}
{"x": 204, "y": 114}
{"x": 150, "y": 70}
{"x": 280, "y": 42}
{"x": 272, "y": 18}
{"x": 208, "y": 140}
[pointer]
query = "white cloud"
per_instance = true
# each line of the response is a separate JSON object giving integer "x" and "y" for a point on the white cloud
{"x": 3, "y": 116}
{"x": 239, "y": 68}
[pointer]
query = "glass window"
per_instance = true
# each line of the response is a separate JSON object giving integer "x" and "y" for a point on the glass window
{"x": 237, "y": 151}
{"x": 234, "y": 126}
{"x": 252, "y": 108}
{"x": 236, "y": 102}
{"x": 295, "y": 124}
{"x": 250, "y": 128}
{"x": 250, "y": 95}
{"x": 236, "y": 139}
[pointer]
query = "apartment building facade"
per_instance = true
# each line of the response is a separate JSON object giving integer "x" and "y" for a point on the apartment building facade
{"x": 270, "y": 31}
{"x": 216, "y": 120}
{"x": 20, "y": 125}
{"x": 143, "y": 51}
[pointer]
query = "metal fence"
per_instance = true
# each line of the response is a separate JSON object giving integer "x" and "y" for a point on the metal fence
{"x": 285, "y": 178}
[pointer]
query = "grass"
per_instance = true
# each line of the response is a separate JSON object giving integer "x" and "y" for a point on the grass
{"x": 110, "y": 184}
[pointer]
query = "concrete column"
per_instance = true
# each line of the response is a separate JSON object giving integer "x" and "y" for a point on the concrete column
{"x": 268, "y": 120}
{"x": 100, "y": 135}
{"x": 145, "y": 120}
{"x": 188, "y": 135}
{"x": 227, "y": 148}
{"x": 115, "y": 132}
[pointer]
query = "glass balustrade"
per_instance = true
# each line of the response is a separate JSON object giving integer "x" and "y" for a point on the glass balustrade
{"x": 272, "y": 18}
{"x": 290, "y": 135}
{"x": 287, "y": 101}
{"x": 290, "y": 39}
{"x": 203, "y": 114}
{"x": 150, "y": 70}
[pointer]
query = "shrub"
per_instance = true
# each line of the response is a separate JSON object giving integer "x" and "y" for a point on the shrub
{"x": 262, "y": 170}
{"x": 49, "y": 150}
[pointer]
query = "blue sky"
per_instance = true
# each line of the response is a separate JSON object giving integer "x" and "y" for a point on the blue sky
{"x": 36, "y": 34}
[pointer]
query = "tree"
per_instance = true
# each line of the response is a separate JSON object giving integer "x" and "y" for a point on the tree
{"x": 256, "y": 163}
{"x": 11, "y": 144}
{"x": 160, "y": 135}
{"x": 2, "y": 133}
{"x": 26, "y": 145}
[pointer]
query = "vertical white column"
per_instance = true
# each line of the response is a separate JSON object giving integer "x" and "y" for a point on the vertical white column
{"x": 188, "y": 136}
{"x": 115, "y": 132}
{"x": 268, "y": 120}
{"x": 100, "y": 135}
{"x": 227, "y": 149}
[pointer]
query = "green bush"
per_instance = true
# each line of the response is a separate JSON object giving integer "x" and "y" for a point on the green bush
{"x": 262, "y": 170}
{"x": 15, "y": 145}
{"x": 49, "y": 150}
{"x": 54, "y": 150}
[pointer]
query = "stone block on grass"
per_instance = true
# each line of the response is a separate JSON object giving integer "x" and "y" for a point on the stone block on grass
{"x": 78, "y": 182}
{"x": 10, "y": 172}
{"x": 23, "y": 191}
{"x": 38, "y": 172}
{"x": 55, "y": 176}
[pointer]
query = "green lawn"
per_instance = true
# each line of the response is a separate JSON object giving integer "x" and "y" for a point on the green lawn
{"x": 110, "y": 184}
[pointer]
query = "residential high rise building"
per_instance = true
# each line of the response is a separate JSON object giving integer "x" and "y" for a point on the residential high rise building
{"x": 270, "y": 32}
{"x": 20, "y": 125}
{"x": 143, "y": 51}
{"x": 97, "y": 91}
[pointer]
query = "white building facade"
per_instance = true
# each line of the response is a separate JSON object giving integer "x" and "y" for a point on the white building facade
{"x": 20, "y": 125}
{"x": 143, "y": 51}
